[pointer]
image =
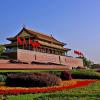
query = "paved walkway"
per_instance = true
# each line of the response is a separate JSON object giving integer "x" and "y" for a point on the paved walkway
{"x": 30, "y": 66}
{"x": 5, "y": 65}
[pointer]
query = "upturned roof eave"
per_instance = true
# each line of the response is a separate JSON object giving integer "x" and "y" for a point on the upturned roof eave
{"x": 40, "y": 37}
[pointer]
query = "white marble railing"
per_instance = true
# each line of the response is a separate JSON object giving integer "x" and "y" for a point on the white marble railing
{"x": 10, "y": 50}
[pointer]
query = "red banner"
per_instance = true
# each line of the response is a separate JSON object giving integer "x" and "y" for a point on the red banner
{"x": 19, "y": 41}
{"x": 78, "y": 52}
{"x": 24, "y": 42}
{"x": 34, "y": 44}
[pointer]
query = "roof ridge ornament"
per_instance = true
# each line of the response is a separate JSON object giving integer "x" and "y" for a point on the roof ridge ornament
{"x": 24, "y": 26}
{"x": 51, "y": 35}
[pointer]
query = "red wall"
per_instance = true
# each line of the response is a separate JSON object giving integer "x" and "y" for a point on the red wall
{"x": 29, "y": 56}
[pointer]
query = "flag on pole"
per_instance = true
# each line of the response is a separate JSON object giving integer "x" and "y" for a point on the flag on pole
{"x": 24, "y": 42}
{"x": 81, "y": 54}
{"x": 78, "y": 53}
{"x": 34, "y": 44}
{"x": 30, "y": 42}
{"x": 19, "y": 40}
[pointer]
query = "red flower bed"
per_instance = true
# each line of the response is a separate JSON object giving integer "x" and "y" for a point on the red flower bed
{"x": 44, "y": 89}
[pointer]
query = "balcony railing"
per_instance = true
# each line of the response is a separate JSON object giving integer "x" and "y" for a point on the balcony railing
{"x": 10, "y": 50}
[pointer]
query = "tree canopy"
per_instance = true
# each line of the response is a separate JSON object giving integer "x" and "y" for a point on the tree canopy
{"x": 2, "y": 49}
{"x": 86, "y": 62}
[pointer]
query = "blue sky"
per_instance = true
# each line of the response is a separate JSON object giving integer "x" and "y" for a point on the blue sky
{"x": 75, "y": 22}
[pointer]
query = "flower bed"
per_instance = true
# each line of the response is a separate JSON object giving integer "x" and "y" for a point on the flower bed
{"x": 20, "y": 90}
{"x": 2, "y": 84}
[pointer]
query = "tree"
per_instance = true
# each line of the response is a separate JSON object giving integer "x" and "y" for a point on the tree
{"x": 96, "y": 66}
{"x": 2, "y": 49}
{"x": 86, "y": 62}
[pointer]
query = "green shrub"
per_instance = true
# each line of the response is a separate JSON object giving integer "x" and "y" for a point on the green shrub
{"x": 85, "y": 74}
{"x": 32, "y": 80}
{"x": 65, "y": 75}
{"x": 4, "y": 57}
{"x": 98, "y": 70}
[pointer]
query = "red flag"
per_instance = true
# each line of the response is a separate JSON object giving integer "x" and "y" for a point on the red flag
{"x": 19, "y": 41}
{"x": 81, "y": 54}
{"x": 24, "y": 41}
{"x": 36, "y": 44}
{"x": 78, "y": 52}
{"x": 31, "y": 42}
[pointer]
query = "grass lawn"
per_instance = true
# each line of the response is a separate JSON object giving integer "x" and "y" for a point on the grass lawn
{"x": 7, "y": 71}
{"x": 90, "y": 92}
